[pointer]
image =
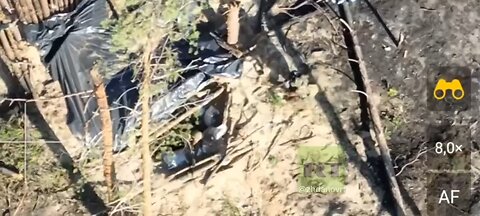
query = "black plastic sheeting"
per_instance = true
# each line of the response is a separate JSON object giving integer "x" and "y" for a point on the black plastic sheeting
{"x": 212, "y": 142}
{"x": 71, "y": 43}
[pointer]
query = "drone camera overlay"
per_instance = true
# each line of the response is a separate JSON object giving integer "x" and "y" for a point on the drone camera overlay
{"x": 239, "y": 107}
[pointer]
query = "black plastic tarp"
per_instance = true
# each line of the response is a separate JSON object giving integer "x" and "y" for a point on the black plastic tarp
{"x": 71, "y": 43}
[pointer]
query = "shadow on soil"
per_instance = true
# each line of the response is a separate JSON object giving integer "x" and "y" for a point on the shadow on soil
{"x": 373, "y": 158}
{"x": 368, "y": 171}
{"x": 373, "y": 170}
{"x": 86, "y": 193}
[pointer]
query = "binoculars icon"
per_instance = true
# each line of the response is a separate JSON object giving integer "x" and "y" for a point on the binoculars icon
{"x": 442, "y": 86}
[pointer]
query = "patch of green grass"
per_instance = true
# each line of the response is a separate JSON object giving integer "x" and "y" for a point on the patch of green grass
{"x": 392, "y": 92}
{"x": 177, "y": 137}
{"x": 43, "y": 173}
{"x": 30, "y": 157}
{"x": 397, "y": 121}
{"x": 14, "y": 155}
{"x": 274, "y": 98}
{"x": 229, "y": 209}
{"x": 272, "y": 160}
{"x": 392, "y": 124}
{"x": 13, "y": 130}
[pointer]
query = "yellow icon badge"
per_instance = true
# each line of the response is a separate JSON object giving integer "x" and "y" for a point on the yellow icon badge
{"x": 442, "y": 86}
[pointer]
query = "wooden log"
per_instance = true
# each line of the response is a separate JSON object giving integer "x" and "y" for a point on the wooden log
{"x": 6, "y": 5}
{"x": 13, "y": 43}
{"x": 31, "y": 11}
{"x": 6, "y": 45}
{"x": 67, "y": 5}
{"x": 38, "y": 9}
{"x": 73, "y": 5}
{"x": 61, "y": 6}
{"x": 15, "y": 32}
{"x": 145, "y": 130}
{"x": 25, "y": 12}
{"x": 19, "y": 10}
{"x": 52, "y": 5}
{"x": 45, "y": 8}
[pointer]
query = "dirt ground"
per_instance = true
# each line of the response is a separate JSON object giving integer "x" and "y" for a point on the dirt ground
{"x": 270, "y": 124}
{"x": 436, "y": 33}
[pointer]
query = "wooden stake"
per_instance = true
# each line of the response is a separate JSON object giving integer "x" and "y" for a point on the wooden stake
{"x": 102, "y": 101}
{"x": 233, "y": 24}
{"x": 6, "y": 45}
{"x": 61, "y": 6}
{"x": 13, "y": 42}
{"x": 31, "y": 11}
{"x": 4, "y": 4}
{"x": 53, "y": 5}
{"x": 66, "y": 5}
{"x": 145, "y": 130}
{"x": 16, "y": 32}
{"x": 38, "y": 9}
{"x": 23, "y": 10}
{"x": 72, "y": 5}
{"x": 45, "y": 8}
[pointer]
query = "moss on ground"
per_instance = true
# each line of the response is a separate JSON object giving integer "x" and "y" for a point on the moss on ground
{"x": 229, "y": 209}
{"x": 44, "y": 176}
